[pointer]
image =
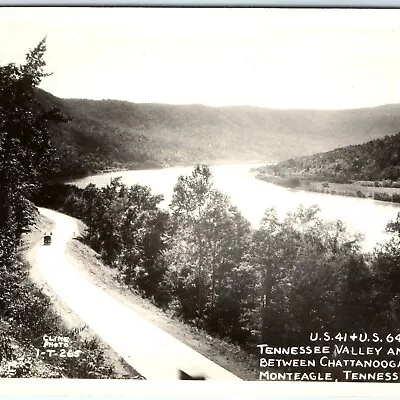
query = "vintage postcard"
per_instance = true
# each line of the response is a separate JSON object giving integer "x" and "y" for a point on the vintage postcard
{"x": 200, "y": 194}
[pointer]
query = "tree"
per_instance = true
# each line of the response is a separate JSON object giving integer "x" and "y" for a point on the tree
{"x": 206, "y": 254}
{"x": 192, "y": 195}
{"x": 126, "y": 226}
{"x": 307, "y": 270}
{"x": 386, "y": 279}
{"x": 25, "y": 154}
{"x": 25, "y": 150}
{"x": 144, "y": 235}
{"x": 394, "y": 226}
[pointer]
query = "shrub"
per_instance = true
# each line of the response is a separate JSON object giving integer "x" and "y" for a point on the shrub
{"x": 365, "y": 183}
{"x": 396, "y": 197}
{"x": 360, "y": 194}
{"x": 382, "y": 196}
{"x": 387, "y": 183}
{"x": 292, "y": 182}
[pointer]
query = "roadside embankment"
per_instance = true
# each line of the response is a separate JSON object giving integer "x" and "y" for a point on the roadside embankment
{"x": 96, "y": 359}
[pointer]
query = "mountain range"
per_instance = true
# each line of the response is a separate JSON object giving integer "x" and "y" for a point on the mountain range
{"x": 103, "y": 134}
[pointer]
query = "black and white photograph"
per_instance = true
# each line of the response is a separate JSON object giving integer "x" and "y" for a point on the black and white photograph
{"x": 205, "y": 194}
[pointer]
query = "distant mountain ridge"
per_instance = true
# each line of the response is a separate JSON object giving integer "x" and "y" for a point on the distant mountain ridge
{"x": 112, "y": 133}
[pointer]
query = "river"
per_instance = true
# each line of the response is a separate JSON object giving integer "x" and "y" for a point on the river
{"x": 253, "y": 196}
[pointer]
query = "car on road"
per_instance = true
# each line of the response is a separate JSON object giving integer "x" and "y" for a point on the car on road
{"x": 47, "y": 240}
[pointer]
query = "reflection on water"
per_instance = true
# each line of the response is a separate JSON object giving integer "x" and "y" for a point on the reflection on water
{"x": 253, "y": 197}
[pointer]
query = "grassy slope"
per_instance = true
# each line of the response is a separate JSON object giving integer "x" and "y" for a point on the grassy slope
{"x": 111, "y": 133}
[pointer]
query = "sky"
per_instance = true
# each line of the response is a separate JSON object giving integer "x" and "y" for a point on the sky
{"x": 276, "y": 58}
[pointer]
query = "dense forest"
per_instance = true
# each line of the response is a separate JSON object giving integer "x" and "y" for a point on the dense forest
{"x": 117, "y": 134}
{"x": 204, "y": 262}
{"x": 376, "y": 160}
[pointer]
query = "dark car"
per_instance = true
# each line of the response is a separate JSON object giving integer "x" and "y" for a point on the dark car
{"x": 47, "y": 240}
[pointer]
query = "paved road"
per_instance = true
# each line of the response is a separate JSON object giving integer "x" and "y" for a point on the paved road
{"x": 151, "y": 351}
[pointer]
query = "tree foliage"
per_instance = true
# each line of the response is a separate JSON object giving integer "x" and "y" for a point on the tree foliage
{"x": 124, "y": 225}
{"x": 25, "y": 150}
{"x": 207, "y": 272}
{"x": 275, "y": 284}
{"x": 304, "y": 266}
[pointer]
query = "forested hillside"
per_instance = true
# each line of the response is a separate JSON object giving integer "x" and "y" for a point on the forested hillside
{"x": 110, "y": 133}
{"x": 377, "y": 160}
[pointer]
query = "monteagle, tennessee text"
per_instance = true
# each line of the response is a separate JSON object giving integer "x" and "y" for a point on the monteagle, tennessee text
{"x": 329, "y": 363}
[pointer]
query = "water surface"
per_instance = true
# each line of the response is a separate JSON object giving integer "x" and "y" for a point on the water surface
{"x": 253, "y": 196}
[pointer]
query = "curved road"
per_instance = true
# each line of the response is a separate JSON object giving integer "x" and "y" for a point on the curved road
{"x": 148, "y": 349}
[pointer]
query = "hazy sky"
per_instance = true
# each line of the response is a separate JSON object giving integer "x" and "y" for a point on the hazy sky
{"x": 280, "y": 58}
